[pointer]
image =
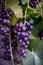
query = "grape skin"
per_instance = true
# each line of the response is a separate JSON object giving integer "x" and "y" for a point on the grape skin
{"x": 33, "y": 3}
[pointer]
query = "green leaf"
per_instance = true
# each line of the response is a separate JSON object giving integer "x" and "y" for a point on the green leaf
{"x": 18, "y": 11}
{"x": 39, "y": 49}
{"x": 24, "y": 1}
{"x": 34, "y": 44}
{"x": 31, "y": 59}
{"x": 38, "y": 26}
{"x": 14, "y": 5}
{"x": 13, "y": 20}
{"x": 12, "y": 2}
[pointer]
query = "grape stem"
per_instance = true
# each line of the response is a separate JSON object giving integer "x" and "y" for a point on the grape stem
{"x": 25, "y": 16}
{"x": 5, "y": 3}
{"x": 26, "y": 13}
{"x": 40, "y": 6}
{"x": 11, "y": 47}
{"x": 36, "y": 10}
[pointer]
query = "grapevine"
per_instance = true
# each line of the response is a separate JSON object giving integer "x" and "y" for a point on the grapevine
{"x": 16, "y": 39}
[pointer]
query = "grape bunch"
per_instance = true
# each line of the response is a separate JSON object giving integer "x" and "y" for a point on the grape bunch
{"x": 6, "y": 14}
{"x": 41, "y": 34}
{"x": 22, "y": 35}
{"x": 33, "y": 3}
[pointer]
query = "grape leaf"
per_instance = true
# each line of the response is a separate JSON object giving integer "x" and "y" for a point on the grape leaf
{"x": 14, "y": 5}
{"x": 37, "y": 28}
{"x": 11, "y": 2}
{"x": 13, "y": 20}
{"x": 18, "y": 12}
{"x": 24, "y": 1}
{"x": 31, "y": 59}
{"x": 38, "y": 25}
{"x": 34, "y": 44}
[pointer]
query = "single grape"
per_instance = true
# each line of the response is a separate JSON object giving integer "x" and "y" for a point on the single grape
{"x": 32, "y": 4}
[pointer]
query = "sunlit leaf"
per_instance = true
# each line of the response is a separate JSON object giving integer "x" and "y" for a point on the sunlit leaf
{"x": 16, "y": 8}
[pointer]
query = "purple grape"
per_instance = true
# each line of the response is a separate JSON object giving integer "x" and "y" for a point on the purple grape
{"x": 18, "y": 33}
{"x": 26, "y": 34}
{"x": 31, "y": 27}
{"x": 27, "y": 42}
{"x": 27, "y": 24}
{"x": 24, "y": 28}
{"x": 32, "y": 4}
{"x": 31, "y": 21}
{"x": 23, "y": 34}
{"x": 19, "y": 30}
{"x": 23, "y": 52}
{"x": 37, "y": 1}
{"x": 7, "y": 57}
{"x": 29, "y": 32}
{"x": 20, "y": 25}
{"x": 6, "y": 21}
{"x": 23, "y": 43}
{"x": 20, "y": 41}
{"x": 3, "y": 46}
{"x": 26, "y": 39}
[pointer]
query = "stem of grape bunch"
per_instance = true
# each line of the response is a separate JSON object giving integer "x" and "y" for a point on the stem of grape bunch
{"x": 11, "y": 47}
{"x": 25, "y": 16}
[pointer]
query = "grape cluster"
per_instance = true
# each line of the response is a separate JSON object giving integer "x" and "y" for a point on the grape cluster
{"x": 41, "y": 35}
{"x": 22, "y": 35}
{"x": 33, "y": 3}
{"x": 6, "y": 14}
